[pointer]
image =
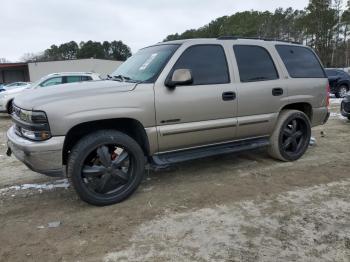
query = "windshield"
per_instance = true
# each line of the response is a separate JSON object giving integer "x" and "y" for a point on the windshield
{"x": 146, "y": 65}
{"x": 37, "y": 82}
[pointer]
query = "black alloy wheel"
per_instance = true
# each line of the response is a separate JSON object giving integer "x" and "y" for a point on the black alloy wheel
{"x": 291, "y": 137}
{"x": 106, "y": 167}
{"x": 107, "y": 170}
{"x": 294, "y": 137}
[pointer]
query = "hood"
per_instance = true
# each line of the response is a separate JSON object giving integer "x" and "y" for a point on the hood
{"x": 32, "y": 98}
{"x": 14, "y": 91}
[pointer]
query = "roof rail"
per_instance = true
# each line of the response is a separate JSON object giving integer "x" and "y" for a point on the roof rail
{"x": 256, "y": 38}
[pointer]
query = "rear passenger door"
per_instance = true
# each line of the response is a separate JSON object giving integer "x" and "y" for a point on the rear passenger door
{"x": 199, "y": 113}
{"x": 260, "y": 90}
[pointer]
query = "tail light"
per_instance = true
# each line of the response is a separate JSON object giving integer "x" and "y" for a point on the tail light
{"x": 328, "y": 95}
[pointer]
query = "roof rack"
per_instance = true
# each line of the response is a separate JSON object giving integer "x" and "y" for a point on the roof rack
{"x": 256, "y": 38}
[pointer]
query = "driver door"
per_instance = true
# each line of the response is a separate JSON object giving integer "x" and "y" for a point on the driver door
{"x": 200, "y": 113}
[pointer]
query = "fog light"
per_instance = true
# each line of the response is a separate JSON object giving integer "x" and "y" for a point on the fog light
{"x": 36, "y": 135}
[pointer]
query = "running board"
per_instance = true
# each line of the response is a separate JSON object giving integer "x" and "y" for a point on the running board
{"x": 166, "y": 159}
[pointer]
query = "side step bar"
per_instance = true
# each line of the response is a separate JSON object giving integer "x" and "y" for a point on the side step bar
{"x": 197, "y": 153}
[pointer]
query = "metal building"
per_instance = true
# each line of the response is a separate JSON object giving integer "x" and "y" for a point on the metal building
{"x": 30, "y": 72}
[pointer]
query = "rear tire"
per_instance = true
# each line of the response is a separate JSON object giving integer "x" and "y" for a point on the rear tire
{"x": 106, "y": 167}
{"x": 291, "y": 136}
{"x": 342, "y": 91}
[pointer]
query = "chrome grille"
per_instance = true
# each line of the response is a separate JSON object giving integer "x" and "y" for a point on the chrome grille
{"x": 16, "y": 111}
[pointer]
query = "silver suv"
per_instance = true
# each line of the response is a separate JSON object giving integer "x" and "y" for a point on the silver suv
{"x": 169, "y": 103}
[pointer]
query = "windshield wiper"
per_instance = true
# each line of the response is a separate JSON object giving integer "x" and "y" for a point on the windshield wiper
{"x": 122, "y": 78}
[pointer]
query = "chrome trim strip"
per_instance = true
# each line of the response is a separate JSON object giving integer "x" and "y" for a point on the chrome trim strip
{"x": 254, "y": 123}
{"x": 197, "y": 130}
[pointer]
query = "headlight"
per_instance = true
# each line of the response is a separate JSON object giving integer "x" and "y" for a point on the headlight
{"x": 33, "y": 125}
{"x": 36, "y": 117}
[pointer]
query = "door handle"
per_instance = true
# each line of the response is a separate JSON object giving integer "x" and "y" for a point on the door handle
{"x": 277, "y": 91}
{"x": 228, "y": 96}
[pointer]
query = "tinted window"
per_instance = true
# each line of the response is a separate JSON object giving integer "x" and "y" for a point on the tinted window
{"x": 72, "y": 79}
{"x": 207, "y": 63}
{"x": 300, "y": 62}
{"x": 343, "y": 74}
{"x": 52, "y": 82}
{"x": 254, "y": 64}
{"x": 331, "y": 72}
{"x": 86, "y": 78}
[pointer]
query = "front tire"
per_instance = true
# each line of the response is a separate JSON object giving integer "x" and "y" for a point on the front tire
{"x": 106, "y": 167}
{"x": 291, "y": 136}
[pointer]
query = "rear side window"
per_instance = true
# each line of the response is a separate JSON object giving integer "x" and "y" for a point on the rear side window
{"x": 72, "y": 79}
{"x": 300, "y": 62}
{"x": 86, "y": 78}
{"x": 254, "y": 64}
{"x": 207, "y": 63}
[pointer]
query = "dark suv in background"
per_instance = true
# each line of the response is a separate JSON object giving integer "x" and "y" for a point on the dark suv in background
{"x": 339, "y": 82}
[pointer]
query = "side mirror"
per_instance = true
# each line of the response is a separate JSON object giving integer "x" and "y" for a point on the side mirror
{"x": 180, "y": 77}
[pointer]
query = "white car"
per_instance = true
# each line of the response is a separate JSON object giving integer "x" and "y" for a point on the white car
{"x": 16, "y": 85}
{"x": 6, "y": 97}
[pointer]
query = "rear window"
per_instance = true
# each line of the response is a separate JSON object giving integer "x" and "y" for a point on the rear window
{"x": 300, "y": 62}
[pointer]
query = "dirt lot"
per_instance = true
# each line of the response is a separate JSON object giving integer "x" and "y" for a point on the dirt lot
{"x": 233, "y": 208}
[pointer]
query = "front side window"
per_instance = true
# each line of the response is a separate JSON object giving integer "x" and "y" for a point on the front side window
{"x": 52, "y": 82}
{"x": 207, "y": 63}
{"x": 254, "y": 64}
{"x": 146, "y": 65}
{"x": 300, "y": 62}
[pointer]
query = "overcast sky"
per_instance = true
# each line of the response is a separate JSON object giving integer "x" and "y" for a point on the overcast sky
{"x": 31, "y": 26}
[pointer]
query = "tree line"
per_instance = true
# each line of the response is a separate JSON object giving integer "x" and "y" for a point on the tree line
{"x": 323, "y": 25}
{"x": 115, "y": 50}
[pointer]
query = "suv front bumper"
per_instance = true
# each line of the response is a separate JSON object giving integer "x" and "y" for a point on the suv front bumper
{"x": 42, "y": 157}
{"x": 345, "y": 107}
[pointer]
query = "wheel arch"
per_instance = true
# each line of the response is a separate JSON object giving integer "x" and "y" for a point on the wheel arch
{"x": 9, "y": 102}
{"x": 343, "y": 83}
{"x": 300, "y": 106}
{"x": 129, "y": 126}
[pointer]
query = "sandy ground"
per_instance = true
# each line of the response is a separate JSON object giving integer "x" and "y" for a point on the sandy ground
{"x": 244, "y": 207}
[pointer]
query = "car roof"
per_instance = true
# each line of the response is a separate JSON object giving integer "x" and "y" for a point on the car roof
{"x": 73, "y": 74}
